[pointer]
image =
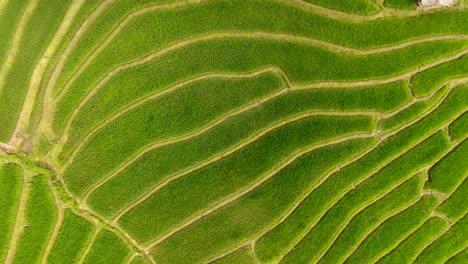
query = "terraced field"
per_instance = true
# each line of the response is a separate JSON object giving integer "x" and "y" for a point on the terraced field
{"x": 233, "y": 131}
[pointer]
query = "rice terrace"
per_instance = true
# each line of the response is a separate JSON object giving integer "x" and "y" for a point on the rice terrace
{"x": 233, "y": 131}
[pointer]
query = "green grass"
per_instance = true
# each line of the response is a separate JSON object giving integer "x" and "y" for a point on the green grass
{"x": 372, "y": 216}
{"x": 40, "y": 219}
{"x": 357, "y": 6}
{"x": 177, "y": 201}
{"x": 310, "y": 248}
{"x": 241, "y": 256}
{"x": 158, "y": 164}
{"x": 107, "y": 248}
{"x": 411, "y": 113}
{"x": 408, "y": 249}
{"x": 449, "y": 244}
{"x": 10, "y": 179}
{"x": 459, "y": 128}
{"x": 393, "y": 231}
{"x": 448, "y": 173}
{"x": 427, "y": 81}
{"x": 71, "y": 240}
{"x": 274, "y": 244}
{"x": 40, "y": 29}
{"x": 455, "y": 206}
{"x": 250, "y": 215}
{"x": 401, "y": 4}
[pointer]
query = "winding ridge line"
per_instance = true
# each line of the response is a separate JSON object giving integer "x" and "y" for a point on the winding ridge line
{"x": 159, "y": 144}
{"x": 20, "y": 214}
{"x": 262, "y": 36}
{"x": 409, "y": 236}
{"x": 117, "y": 29}
{"x": 58, "y": 67}
{"x": 159, "y": 93}
{"x": 393, "y": 246}
{"x": 441, "y": 235}
{"x": 364, "y": 207}
{"x": 370, "y": 174}
{"x": 226, "y": 254}
{"x": 90, "y": 244}
{"x": 30, "y": 97}
{"x": 11, "y": 54}
{"x": 166, "y": 142}
{"x": 259, "y": 182}
{"x": 224, "y": 154}
{"x": 452, "y": 148}
{"x": 57, "y": 225}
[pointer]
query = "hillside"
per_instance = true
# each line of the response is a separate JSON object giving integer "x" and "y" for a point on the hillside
{"x": 233, "y": 131}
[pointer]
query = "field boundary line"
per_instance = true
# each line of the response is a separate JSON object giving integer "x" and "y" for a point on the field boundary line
{"x": 117, "y": 29}
{"x": 58, "y": 67}
{"x": 376, "y": 144}
{"x": 326, "y": 176}
{"x": 386, "y": 215}
{"x": 90, "y": 244}
{"x": 20, "y": 221}
{"x": 328, "y": 85}
{"x": 441, "y": 235}
{"x": 153, "y": 146}
{"x": 422, "y": 193}
{"x": 259, "y": 35}
{"x": 458, "y": 253}
{"x": 380, "y": 167}
{"x": 15, "y": 42}
{"x": 165, "y": 142}
{"x": 145, "y": 99}
{"x": 58, "y": 222}
{"x": 37, "y": 74}
{"x": 259, "y": 182}
{"x": 225, "y": 254}
{"x": 216, "y": 157}
{"x": 83, "y": 211}
{"x": 408, "y": 236}
{"x": 255, "y": 35}
{"x": 391, "y": 247}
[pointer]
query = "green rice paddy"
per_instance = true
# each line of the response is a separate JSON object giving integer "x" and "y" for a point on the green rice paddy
{"x": 233, "y": 132}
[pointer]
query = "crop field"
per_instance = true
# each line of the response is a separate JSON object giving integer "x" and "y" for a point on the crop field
{"x": 233, "y": 132}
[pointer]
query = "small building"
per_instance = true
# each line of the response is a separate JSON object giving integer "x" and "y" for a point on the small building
{"x": 437, "y": 2}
